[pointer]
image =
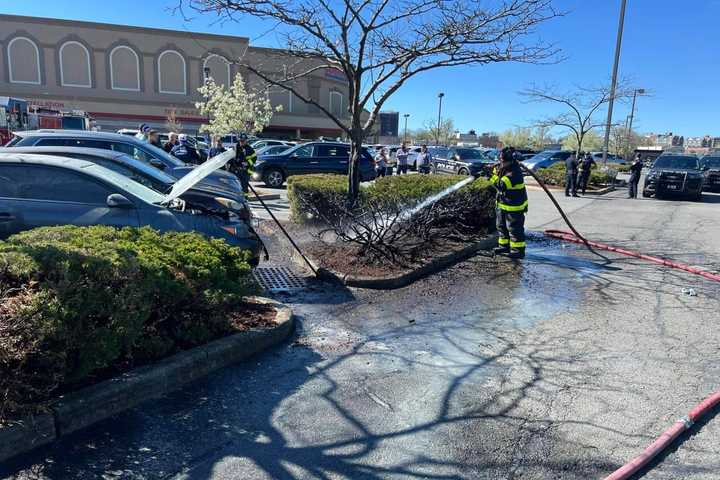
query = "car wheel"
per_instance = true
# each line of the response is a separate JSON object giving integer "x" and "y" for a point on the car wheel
{"x": 646, "y": 194}
{"x": 273, "y": 178}
{"x": 463, "y": 171}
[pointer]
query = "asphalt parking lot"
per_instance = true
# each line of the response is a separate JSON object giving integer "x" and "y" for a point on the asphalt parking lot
{"x": 563, "y": 366}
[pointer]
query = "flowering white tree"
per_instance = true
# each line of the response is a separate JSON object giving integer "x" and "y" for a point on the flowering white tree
{"x": 234, "y": 110}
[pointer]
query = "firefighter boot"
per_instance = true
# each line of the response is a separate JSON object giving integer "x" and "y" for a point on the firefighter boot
{"x": 517, "y": 253}
{"x": 501, "y": 250}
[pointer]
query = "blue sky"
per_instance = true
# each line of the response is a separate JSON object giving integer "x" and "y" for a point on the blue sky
{"x": 669, "y": 47}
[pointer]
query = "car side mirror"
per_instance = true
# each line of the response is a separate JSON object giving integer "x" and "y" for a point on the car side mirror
{"x": 119, "y": 201}
{"x": 157, "y": 163}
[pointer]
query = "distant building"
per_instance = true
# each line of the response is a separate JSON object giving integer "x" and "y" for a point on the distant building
{"x": 123, "y": 76}
{"x": 389, "y": 124}
{"x": 466, "y": 139}
{"x": 387, "y": 128}
{"x": 489, "y": 140}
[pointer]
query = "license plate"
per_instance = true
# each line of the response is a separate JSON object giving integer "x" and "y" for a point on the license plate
{"x": 672, "y": 187}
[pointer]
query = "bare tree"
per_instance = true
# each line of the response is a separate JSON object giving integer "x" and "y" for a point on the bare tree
{"x": 580, "y": 107}
{"x": 172, "y": 123}
{"x": 378, "y": 45}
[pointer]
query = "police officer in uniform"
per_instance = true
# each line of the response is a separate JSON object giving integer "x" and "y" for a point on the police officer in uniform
{"x": 183, "y": 151}
{"x": 571, "y": 171}
{"x": 244, "y": 161}
{"x": 511, "y": 206}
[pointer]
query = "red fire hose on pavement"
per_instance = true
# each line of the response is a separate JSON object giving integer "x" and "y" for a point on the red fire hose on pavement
{"x": 702, "y": 408}
{"x": 664, "y": 440}
{"x": 570, "y": 237}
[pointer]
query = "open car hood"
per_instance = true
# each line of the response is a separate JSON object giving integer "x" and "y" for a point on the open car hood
{"x": 197, "y": 174}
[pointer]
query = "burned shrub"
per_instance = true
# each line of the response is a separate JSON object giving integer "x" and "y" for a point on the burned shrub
{"x": 386, "y": 224}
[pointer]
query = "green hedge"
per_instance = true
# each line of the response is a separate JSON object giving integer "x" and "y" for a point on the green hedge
{"x": 325, "y": 190}
{"x": 555, "y": 175}
{"x": 78, "y": 301}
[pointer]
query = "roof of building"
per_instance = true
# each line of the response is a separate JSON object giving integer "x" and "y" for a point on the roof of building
{"x": 113, "y": 26}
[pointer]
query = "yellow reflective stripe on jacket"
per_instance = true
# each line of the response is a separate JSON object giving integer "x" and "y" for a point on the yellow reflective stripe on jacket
{"x": 508, "y": 183}
{"x": 517, "y": 244}
{"x": 513, "y": 208}
{"x": 510, "y": 186}
{"x": 503, "y": 241}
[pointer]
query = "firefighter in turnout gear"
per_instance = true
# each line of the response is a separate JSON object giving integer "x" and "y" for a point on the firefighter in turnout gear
{"x": 512, "y": 204}
{"x": 244, "y": 161}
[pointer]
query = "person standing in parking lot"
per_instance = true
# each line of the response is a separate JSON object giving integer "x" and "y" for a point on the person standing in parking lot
{"x": 171, "y": 143}
{"x": 143, "y": 130}
{"x": 154, "y": 139}
{"x": 511, "y": 205}
{"x": 244, "y": 161}
{"x": 217, "y": 147}
{"x": 635, "y": 172}
{"x": 423, "y": 160}
{"x": 571, "y": 170}
{"x": 184, "y": 152}
{"x": 381, "y": 162}
{"x": 402, "y": 159}
{"x": 586, "y": 164}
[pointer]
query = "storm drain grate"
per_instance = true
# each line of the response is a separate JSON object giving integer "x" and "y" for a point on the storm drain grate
{"x": 278, "y": 279}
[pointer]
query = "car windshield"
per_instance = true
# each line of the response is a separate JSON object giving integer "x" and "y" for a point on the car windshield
{"x": 127, "y": 184}
{"x": 711, "y": 162}
{"x": 542, "y": 156}
{"x": 671, "y": 161}
{"x": 468, "y": 154}
{"x": 160, "y": 153}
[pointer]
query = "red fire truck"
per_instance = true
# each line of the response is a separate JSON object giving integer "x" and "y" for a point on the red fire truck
{"x": 57, "y": 119}
{"x": 13, "y": 117}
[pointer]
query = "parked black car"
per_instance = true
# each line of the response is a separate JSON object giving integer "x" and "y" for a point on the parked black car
{"x": 212, "y": 199}
{"x": 711, "y": 167}
{"x": 312, "y": 157}
{"x": 463, "y": 161}
{"x": 673, "y": 174}
{"x": 40, "y": 190}
{"x": 130, "y": 145}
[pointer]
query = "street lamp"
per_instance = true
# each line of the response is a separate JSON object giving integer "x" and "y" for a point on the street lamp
{"x": 611, "y": 102}
{"x": 405, "y": 135}
{"x": 440, "y": 97}
{"x": 636, "y": 92}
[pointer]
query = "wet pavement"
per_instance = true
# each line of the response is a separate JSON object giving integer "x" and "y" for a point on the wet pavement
{"x": 561, "y": 366}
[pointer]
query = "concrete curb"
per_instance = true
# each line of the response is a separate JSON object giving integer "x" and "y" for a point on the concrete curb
{"x": 264, "y": 197}
{"x": 405, "y": 279}
{"x": 554, "y": 189}
{"x": 90, "y": 405}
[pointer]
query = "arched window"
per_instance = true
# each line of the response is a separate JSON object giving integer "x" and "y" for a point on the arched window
{"x": 219, "y": 69}
{"x": 124, "y": 69}
{"x": 171, "y": 73}
{"x": 336, "y": 103}
{"x": 281, "y": 96}
{"x": 75, "y": 65}
{"x": 23, "y": 61}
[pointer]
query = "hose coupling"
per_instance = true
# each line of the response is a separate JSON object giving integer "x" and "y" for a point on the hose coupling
{"x": 686, "y": 420}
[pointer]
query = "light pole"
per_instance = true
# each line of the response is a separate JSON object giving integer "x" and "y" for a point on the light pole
{"x": 405, "y": 135}
{"x": 440, "y": 97}
{"x": 636, "y": 92}
{"x": 618, "y": 44}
